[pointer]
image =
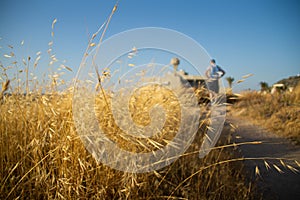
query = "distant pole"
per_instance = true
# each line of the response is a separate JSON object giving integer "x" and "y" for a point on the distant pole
{"x": 175, "y": 62}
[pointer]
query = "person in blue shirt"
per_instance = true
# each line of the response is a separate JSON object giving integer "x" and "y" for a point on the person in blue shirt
{"x": 213, "y": 74}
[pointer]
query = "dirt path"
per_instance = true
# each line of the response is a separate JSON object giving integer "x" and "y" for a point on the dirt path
{"x": 272, "y": 183}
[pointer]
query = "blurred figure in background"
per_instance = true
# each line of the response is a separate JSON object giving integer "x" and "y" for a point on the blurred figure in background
{"x": 213, "y": 74}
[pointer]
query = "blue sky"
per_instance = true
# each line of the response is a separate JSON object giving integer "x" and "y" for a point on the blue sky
{"x": 257, "y": 36}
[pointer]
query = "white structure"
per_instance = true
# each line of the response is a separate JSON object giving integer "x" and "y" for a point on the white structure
{"x": 277, "y": 88}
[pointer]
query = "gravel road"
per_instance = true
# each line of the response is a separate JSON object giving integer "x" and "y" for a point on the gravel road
{"x": 277, "y": 181}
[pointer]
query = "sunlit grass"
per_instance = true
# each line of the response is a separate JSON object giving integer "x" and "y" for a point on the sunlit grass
{"x": 277, "y": 112}
{"x": 42, "y": 156}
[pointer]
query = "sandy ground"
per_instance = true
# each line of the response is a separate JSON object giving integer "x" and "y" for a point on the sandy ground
{"x": 272, "y": 184}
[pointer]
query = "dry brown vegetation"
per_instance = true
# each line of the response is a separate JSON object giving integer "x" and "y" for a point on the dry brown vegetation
{"x": 42, "y": 157}
{"x": 277, "y": 112}
{"x": 140, "y": 105}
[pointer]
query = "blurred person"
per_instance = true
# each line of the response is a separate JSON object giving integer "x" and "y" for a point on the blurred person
{"x": 213, "y": 74}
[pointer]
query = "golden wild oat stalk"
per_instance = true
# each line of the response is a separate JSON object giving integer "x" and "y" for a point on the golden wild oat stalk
{"x": 4, "y": 88}
{"x": 140, "y": 105}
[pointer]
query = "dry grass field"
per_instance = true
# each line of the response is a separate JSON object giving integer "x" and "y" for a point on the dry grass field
{"x": 277, "y": 112}
{"x": 42, "y": 157}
